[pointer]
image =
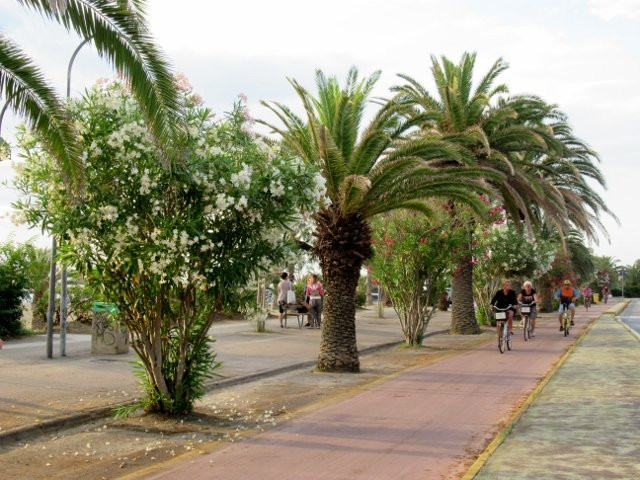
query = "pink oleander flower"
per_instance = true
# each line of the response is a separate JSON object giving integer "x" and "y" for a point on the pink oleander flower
{"x": 182, "y": 82}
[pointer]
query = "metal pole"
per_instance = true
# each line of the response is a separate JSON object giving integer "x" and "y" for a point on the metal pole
{"x": 52, "y": 300}
{"x": 73, "y": 57}
{"x": 63, "y": 296}
{"x": 381, "y": 295}
{"x": 63, "y": 314}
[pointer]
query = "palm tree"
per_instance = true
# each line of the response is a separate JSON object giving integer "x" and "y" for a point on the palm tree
{"x": 511, "y": 135}
{"x": 118, "y": 31}
{"x": 368, "y": 171}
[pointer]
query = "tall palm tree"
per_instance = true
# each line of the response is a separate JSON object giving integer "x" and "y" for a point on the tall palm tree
{"x": 118, "y": 31}
{"x": 368, "y": 170}
{"x": 511, "y": 135}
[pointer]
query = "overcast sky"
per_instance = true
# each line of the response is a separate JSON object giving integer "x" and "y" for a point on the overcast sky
{"x": 583, "y": 55}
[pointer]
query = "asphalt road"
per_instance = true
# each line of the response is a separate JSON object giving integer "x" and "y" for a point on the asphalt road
{"x": 631, "y": 315}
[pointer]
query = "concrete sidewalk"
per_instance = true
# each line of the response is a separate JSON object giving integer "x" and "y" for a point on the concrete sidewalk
{"x": 35, "y": 390}
{"x": 584, "y": 424}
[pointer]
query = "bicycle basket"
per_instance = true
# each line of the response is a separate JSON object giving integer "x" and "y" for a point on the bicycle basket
{"x": 525, "y": 308}
{"x": 501, "y": 315}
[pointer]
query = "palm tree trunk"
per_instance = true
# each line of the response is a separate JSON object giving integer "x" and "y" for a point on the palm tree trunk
{"x": 343, "y": 243}
{"x": 463, "y": 315}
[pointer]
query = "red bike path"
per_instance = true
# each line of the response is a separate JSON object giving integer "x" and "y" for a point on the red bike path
{"x": 430, "y": 422}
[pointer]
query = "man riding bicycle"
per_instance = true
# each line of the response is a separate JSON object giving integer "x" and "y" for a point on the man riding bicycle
{"x": 567, "y": 295}
{"x": 505, "y": 298}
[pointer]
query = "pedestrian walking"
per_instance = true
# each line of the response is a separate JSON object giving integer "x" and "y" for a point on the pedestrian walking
{"x": 283, "y": 288}
{"x": 605, "y": 293}
{"x": 315, "y": 292}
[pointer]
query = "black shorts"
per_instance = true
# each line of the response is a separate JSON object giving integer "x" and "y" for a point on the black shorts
{"x": 281, "y": 306}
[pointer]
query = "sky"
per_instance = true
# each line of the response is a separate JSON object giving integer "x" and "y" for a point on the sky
{"x": 579, "y": 54}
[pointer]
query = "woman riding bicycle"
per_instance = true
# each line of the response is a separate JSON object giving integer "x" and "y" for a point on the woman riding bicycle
{"x": 587, "y": 294}
{"x": 529, "y": 296}
{"x": 505, "y": 298}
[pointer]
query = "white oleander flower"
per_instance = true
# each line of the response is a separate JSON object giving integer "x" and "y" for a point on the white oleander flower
{"x": 109, "y": 212}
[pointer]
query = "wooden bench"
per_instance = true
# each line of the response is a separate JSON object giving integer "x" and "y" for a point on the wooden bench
{"x": 292, "y": 310}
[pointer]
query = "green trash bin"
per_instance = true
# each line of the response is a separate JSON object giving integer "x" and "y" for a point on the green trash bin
{"x": 108, "y": 335}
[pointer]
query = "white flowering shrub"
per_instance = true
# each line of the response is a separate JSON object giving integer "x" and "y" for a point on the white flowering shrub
{"x": 171, "y": 246}
{"x": 504, "y": 251}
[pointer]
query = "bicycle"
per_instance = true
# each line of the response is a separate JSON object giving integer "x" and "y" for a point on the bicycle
{"x": 587, "y": 303}
{"x": 504, "y": 336}
{"x": 525, "y": 310}
{"x": 566, "y": 319}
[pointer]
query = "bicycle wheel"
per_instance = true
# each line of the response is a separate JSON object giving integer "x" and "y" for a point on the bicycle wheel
{"x": 501, "y": 338}
{"x": 565, "y": 322}
{"x": 526, "y": 328}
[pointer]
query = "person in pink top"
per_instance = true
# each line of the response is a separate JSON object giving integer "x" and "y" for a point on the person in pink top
{"x": 315, "y": 293}
{"x": 587, "y": 294}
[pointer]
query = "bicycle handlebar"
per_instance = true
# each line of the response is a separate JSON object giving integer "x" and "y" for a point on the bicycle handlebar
{"x": 501, "y": 309}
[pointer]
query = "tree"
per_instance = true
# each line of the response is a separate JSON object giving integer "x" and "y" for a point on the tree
{"x": 412, "y": 256}
{"x": 517, "y": 136}
{"x": 172, "y": 248}
{"x": 368, "y": 171}
{"x": 606, "y": 268}
{"x": 118, "y": 31}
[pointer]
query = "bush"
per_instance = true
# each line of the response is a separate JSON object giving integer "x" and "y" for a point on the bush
{"x": 14, "y": 286}
{"x": 298, "y": 287}
{"x": 412, "y": 255}
{"x": 173, "y": 247}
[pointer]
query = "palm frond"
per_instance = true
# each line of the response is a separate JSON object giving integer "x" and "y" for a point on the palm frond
{"x": 119, "y": 34}
{"x": 31, "y": 97}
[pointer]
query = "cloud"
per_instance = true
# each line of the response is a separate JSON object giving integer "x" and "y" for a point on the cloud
{"x": 610, "y": 9}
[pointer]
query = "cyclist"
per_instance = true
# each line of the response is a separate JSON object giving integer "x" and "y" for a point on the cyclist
{"x": 528, "y": 295}
{"x": 587, "y": 294}
{"x": 567, "y": 295}
{"x": 605, "y": 293}
{"x": 505, "y": 298}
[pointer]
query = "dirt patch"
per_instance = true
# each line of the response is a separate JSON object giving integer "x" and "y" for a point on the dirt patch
{"x": 112, "y": 448}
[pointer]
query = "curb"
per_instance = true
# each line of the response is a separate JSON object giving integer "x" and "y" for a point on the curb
{"x": 475, "y": 467}
{"x": 618, "y": 308}
{"x": 633, "y": 333}
{"x": 76, "y": 419}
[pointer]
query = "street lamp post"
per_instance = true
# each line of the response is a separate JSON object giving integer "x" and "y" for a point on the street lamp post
{"x": 63, "y": 280}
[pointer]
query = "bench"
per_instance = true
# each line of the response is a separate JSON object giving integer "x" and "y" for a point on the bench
{"x": 292, "y": 310}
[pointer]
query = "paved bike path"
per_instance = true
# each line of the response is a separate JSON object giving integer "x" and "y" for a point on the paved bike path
{"x": 585, "y": 422}
{"x": 427, "y": 423}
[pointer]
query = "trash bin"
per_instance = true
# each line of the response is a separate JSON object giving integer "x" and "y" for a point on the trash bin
{"x": 596, "y": 297}
{"x": 108, "y": 335}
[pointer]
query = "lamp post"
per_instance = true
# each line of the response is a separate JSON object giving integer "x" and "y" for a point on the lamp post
{"x": 63, "y": 280}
